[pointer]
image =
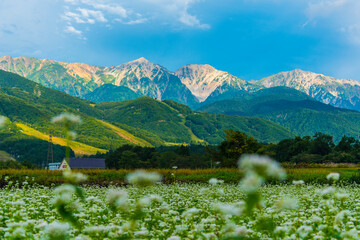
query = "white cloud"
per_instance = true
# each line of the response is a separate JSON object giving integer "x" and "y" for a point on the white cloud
{"x": 92, "y": 15}
{"x": 132, "y": 22}
{"x": 72, "y": 30}
{"x": 112, "y": 9}
{"x": 324, "y": 8}
{"x": 72, "y": 1}
{"x": 71, "y": 16}
{"x": 84, "y": 15}
{"x": 341, "y": 16}
{"x": 192, "y": 21}
{"x": 177, "y": 11}
{"x": 173, "y": 13}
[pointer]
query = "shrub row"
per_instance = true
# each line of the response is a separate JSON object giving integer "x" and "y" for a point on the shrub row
{"x": 21, "y": 177}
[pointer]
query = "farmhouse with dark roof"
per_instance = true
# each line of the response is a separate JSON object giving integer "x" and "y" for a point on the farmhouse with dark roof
{"x": 83, "y": 163}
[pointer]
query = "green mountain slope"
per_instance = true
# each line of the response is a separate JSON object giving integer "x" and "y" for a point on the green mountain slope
{"x": 24, "y": 147}
{"x": 26, "y": 102}
{"x": 177, "y": 123}
{"x": 292, "y": 109}
{"x": 111, "y": 93}
{"x": 143, "y": 121}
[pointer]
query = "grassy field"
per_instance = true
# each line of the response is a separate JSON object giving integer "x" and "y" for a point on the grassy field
{"x": 105, "y": 177}
{"x": 126, "y": 135}
{"x": 78, "y": 148}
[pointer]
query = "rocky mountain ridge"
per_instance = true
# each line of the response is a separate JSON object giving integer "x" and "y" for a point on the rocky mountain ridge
{"x": 344, "y": 93}
{"x": 191, "y": 84}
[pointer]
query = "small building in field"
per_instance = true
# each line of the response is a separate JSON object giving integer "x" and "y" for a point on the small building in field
{"x": 54, "y": 166}
{"x": 83, "y": 163}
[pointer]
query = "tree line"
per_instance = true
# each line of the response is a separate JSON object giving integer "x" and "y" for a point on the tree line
{"x": 319, "y": 148}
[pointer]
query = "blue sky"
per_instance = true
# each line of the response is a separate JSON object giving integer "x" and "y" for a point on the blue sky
{"x": 248, "y": 38}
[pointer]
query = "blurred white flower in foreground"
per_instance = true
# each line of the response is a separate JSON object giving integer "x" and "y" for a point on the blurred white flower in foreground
{"x": 333, "y": 176}
{"x": 215, "y": 181}
{"x": 117, "y": 200}
{"x": 3, "y": 121}
{"x": 263, "y": 166}
{"x": 251, "y": 182}
{"x": 299, "y": 182}
{"x": 74, "y": 177}
{"x": 142, "y": 178}
{"x": 66, "y": 118}
{"x": 286, "y": 204}
{"x": 57, "y": 230}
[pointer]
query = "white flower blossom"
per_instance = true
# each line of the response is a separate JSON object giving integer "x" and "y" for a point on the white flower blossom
{"x": 143, "y": 178}
{"x": 262, "y": 166}
{"x": 339, "y": 218}
{"x": 304, "y": 231}
{"x": 298, "y": 182}
{"x": 333, "y": 176}
{"x": 3, "y": 121}
{"x": 118, "y": 199}
{"x": 214, "y": 181}
{"x": 328, "y": 192}
{"x": 57, "y": 230}
{"x": 251, "y": 182}
{"x": 286, "y": 204}
{"x": 74, "y": 177}
{"x": 66, "y": 118}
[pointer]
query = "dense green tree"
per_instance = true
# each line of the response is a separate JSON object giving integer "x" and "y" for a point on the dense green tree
{"x": 322, "y": 144}
{"x": 346, "y": 144}
{"x": 300, "y": 150}
{"x": 130, "y": 157}
{"x": 236, "y": 144}
{"x": 288, "y": 148}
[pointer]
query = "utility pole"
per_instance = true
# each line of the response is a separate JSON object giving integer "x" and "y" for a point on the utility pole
{"x": 50, "y": 154}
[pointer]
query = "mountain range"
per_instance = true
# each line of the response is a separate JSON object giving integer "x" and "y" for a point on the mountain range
{"x": 145, "y": 104}
{"x": 292, "y": 109}
{"x": 194, "y": 85}
{"x": 143, "y": 121}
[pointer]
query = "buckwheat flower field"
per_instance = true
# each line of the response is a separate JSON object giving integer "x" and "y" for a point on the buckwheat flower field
{"x": 149, "y": 209}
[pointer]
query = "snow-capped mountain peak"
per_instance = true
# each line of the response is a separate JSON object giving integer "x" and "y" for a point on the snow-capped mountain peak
{"x": 203, "y": 80}
{"x": 140, "y": 61}
{"x": 329, "y": 90}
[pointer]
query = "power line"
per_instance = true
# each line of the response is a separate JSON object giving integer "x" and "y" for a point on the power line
{"x": 50, "y": 154}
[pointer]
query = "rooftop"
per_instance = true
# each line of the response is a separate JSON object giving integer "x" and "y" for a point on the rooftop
{"x": 86, "y": 163}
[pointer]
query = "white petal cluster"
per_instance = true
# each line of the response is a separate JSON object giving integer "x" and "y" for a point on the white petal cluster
{"x": 142, "y": 178}
{"x": 263, "y": 166}
{"x": 215, "y": 181}
{"x": 57, "y": 230}
{"x": 66, "y": 118}
{"x": 251, "y": 182}
{"x": 286, "y": 204}
{"x": 3, "y": 121}
{"x": 117, "y": 199}
{"x": 333, "y": 176}
{"x": 298, "y": 182}
{"x": 74, "y": 177}
{"x": 257, "y": 170}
